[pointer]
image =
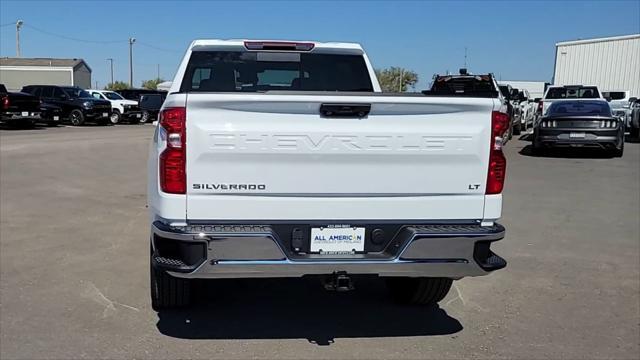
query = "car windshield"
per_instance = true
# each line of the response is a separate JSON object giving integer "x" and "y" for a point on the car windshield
{"x": 585, "y": 92}
{"x": 75, "y": 93}
{"x": 579, "y": 108}
{"x": 112, "y": 95}
{"x": 242, "y": 71}
{"x": 614, "y": 95}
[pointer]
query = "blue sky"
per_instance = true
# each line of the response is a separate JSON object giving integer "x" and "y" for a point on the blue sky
{"x": 514, "y": 40}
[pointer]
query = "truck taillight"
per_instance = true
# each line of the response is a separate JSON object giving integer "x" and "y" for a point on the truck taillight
{"x": 497, "y": 161}
{"x": 540, "y": 105}
{"x": 5, "y": 102}
{"x": 173, "y": 160}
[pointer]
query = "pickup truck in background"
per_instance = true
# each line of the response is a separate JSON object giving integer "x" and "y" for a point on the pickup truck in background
{"x": 18, "y": 109}
{"x": 564, "y": 92}
{"x": 284, "y": 159}
{"x": 121, "y": 108}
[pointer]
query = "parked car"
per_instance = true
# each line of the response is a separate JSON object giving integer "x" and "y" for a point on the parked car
{"x": 508, "y": 94}
{"x": 620, "y": 104}
{"x": 579, "y": 123}
{"x": 527, "y": 109}
{"x": 77, "y": 105}
{"x": 555, "y": 92}
{"x": 634, "y": 124}
{"x": 150, "y": 105}
{"x": 134, "y": 94}
{"x": 18, "y": 109}
{"x": 240, "y": 210}
{"x": 121, "y": 108}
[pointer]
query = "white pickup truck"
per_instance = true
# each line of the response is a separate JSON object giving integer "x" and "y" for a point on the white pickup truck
{"x": 284, "y": 159}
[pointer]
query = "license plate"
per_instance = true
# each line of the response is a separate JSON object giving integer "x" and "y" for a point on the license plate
{"x": 138, "y": 116}
{"x": 576, "y": 135}
{"x": 56, "y": 118}
{"x": 25, "y": 113}
{"x": 337, "y": 240}
{"x": 105, "y": 114}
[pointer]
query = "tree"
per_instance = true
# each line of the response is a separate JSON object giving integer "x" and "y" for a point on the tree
{"x": 152, "y": 84}
{"x": 118, "y": 85}
{"x": 396, "y": 79}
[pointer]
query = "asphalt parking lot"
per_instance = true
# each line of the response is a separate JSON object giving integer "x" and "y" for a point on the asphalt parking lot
{"x": 74, "y": 269}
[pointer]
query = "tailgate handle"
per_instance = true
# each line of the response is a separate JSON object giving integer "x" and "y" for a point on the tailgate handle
{"x": 345, "y": 110}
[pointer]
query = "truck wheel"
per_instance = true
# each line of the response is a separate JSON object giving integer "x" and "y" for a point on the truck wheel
{"x": 168, "y": 291}
{"x": 77, "y": 117}
{"x": 145, "y": 117}
{"x": 617, "y": 152}
{"x": 634, "y": 132}
{"x": 517, "y": 128}
{"x": 115, "y": 116}
{"x": 419, "y": 291}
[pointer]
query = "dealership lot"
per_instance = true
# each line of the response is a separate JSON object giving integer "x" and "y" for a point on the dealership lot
{"x": 74, "y": 268}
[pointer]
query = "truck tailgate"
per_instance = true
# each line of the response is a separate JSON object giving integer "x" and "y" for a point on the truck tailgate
{"x": 274, "y": 157}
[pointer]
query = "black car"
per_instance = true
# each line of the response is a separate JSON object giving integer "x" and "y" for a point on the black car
{"x": 18, "y": 109}
{"x": 150, "y": 105}
{"x": 76, "y": 105}
{"x": 579, "y": 123}
{"x": 134, "y": 94}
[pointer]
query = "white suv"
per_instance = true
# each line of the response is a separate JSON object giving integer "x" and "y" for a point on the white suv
{"x": 122, "y": 108}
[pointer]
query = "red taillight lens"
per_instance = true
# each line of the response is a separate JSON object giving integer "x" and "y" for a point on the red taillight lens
{"x": 540, "y": 105}
{"x": 497, "y": 161}
{"x": 5, "y": 102}
{"x": 173, "y": 160}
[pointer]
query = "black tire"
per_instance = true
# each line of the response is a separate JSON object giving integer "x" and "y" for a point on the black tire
{"x": 145, "y": 117}
{"x": 115, "y": 117}
{"x": 167, "y": 291}
{"x": 617, "y": 152}
{"x": 419, "y": 291}
{"x": 76, "y": 117}
{"x": 634, "y": 132}
{"x": 517, "y": 129}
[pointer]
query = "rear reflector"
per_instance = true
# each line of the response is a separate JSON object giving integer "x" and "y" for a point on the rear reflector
{"x": 278, "y": 45}
{"x": 173, "y": 160}
{"x": 497, "y": 161}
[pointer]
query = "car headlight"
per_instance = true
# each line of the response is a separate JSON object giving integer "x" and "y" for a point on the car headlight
{"x": 87, "y": 104}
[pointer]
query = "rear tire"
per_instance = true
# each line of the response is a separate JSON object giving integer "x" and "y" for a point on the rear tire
{"x": 517, "y": 129}
{"x": 419, "y": 291}
{"x": 634, "y": 132}
{"x": 617, "y": 152}
{"x": 145, "y": 117}
{"x": 115, "y": 117}
{"x": 76, "y": 117}
{"x": 167, "y": 291}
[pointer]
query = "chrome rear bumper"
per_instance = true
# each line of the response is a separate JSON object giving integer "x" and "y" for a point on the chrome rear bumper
{"x": 254, "y": 251}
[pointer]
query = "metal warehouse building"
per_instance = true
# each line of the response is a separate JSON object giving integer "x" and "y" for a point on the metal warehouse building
{"x": 611, "y": 63}
{"x": 18, "y": 72}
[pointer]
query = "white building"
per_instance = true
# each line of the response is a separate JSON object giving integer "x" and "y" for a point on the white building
{"x": 18, "y": 72}
{"x": 611, "y": 63}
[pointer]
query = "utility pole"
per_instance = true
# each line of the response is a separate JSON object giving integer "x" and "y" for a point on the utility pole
{"x": 96, "y": 85}
{"x": 111, "y": 61}
{"x": 401, "y": 80}
{"x": 131, "y": 41}
{"x": 18, "y": 26}
{"x": 465, "y": 57}
{"x": 158, "y": 72}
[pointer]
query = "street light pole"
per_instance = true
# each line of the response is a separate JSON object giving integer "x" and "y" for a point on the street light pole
{"x": 18, "y": 26}
{"x": 111, "y": 61}
{"x": 131, "y": 41}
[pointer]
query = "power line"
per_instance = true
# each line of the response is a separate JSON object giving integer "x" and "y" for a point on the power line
{"x": 158, "y": 48}
{"x": 7, "y": 24}
{"x": 72, "y": 38}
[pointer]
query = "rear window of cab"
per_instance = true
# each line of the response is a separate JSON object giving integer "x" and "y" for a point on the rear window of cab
{"x": 584, "y": 92}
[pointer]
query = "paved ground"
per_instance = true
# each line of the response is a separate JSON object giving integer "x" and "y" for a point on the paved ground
{"x": 74, "y": 270}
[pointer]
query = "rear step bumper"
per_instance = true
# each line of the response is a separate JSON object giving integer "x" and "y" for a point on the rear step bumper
{"x": 253, "y": 251}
